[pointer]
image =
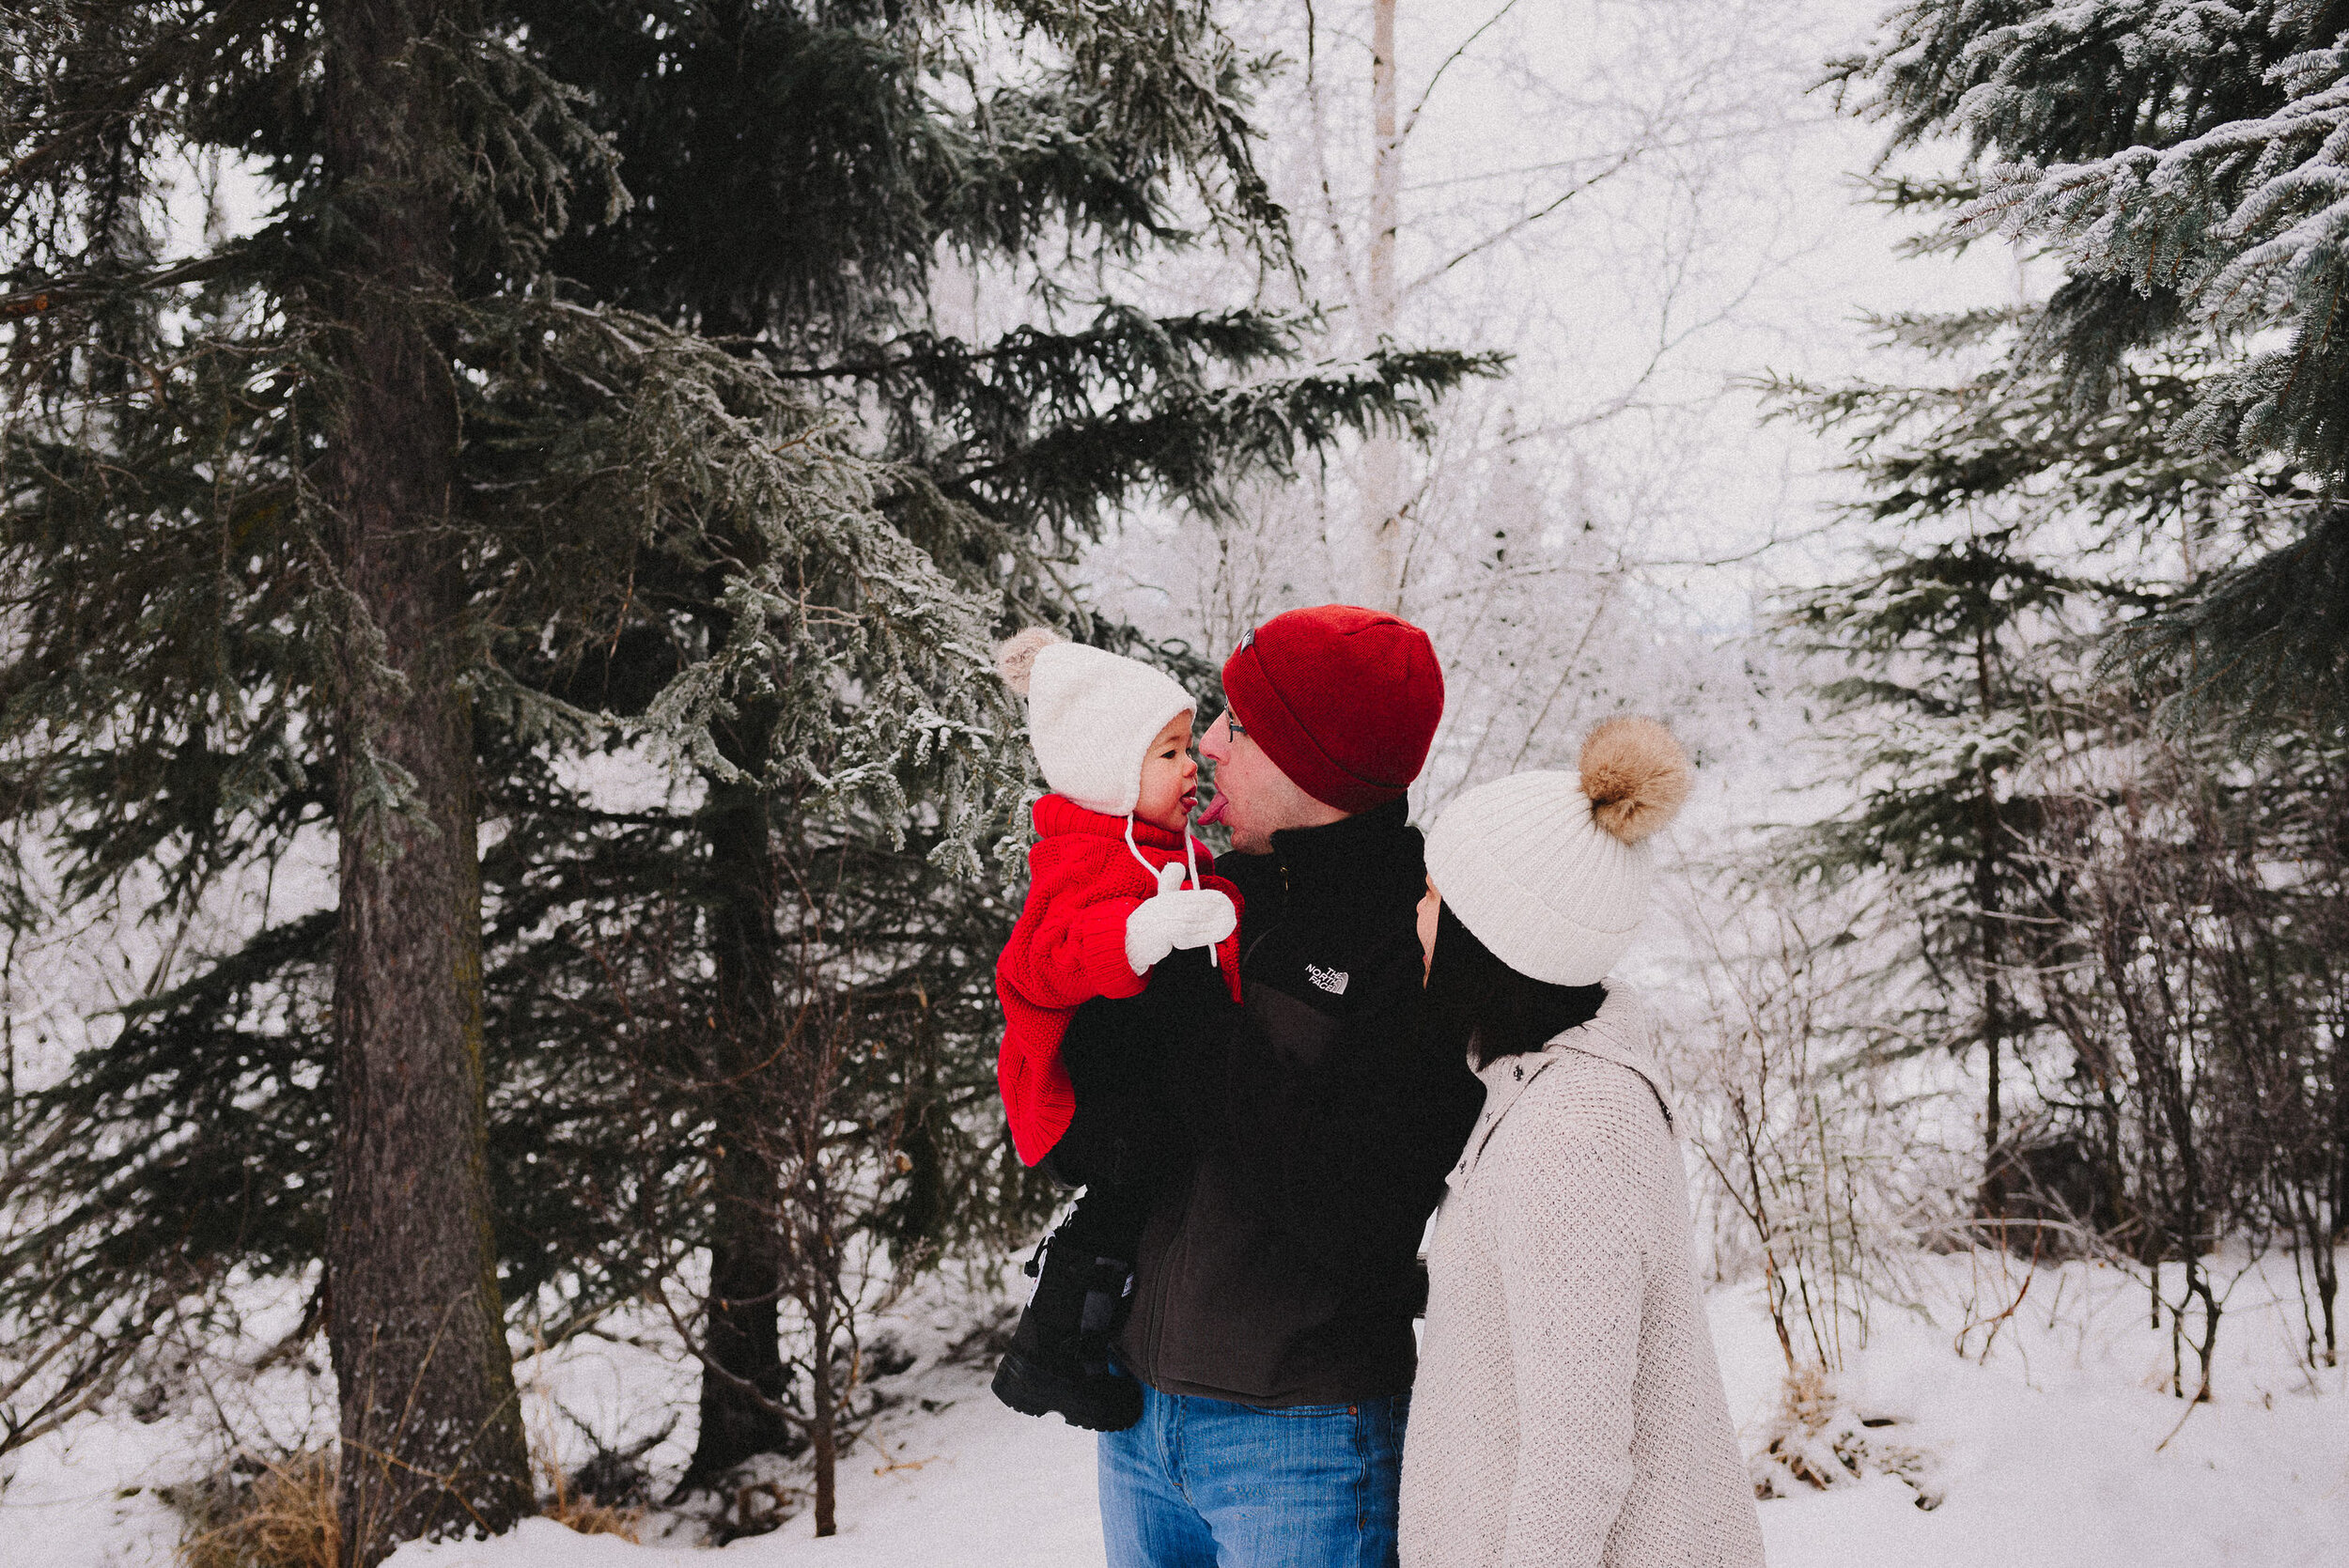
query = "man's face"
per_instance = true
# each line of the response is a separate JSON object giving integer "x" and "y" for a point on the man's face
{"x": 1253, "y": 798}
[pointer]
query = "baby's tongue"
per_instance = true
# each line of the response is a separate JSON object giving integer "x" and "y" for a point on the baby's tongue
{"x": 1214, "y": 811}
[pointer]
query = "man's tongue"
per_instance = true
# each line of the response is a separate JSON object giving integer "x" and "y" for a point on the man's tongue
{"x": 1214, "y": 811}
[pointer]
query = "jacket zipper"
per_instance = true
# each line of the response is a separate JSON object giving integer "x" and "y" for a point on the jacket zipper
{"x": 1276, "y": 926}
{"x": 1153, "y": 1321}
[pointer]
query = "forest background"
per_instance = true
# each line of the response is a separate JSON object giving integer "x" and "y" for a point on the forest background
{"x": 1918, "y": 494}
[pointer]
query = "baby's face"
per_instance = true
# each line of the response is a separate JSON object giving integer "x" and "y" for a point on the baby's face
{"x": 1170, "y": 778}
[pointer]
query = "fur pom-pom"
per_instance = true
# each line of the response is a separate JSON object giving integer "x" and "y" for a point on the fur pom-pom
{"x": 1635, "y": 775}
{"x": 1015, "y": 655}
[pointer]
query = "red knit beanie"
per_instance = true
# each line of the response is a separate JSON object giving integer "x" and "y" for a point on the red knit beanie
{"x": 1343, "y": 701}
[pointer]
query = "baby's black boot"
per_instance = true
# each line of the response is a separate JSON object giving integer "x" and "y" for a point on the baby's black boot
{"x": 1059, "y": 1359}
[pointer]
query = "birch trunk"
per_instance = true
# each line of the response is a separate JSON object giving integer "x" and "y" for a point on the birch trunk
{"x": 1382, "y": 453}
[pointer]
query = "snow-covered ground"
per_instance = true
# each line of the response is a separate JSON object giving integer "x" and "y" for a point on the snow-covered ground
{"x": 2048, "y": 1451}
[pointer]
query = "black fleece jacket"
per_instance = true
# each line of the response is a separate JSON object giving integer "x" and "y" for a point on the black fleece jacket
{"x": 1283, "y": 1271}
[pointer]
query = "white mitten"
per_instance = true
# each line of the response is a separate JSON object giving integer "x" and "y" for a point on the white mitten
{"x": 1177, "y": 917}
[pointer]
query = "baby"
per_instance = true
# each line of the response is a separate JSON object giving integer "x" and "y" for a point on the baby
{"x": 1107, "y": 906}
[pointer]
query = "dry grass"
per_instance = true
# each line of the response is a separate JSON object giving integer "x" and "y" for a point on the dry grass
{"x": 584, "y": 1515}
{"x": 284, "y": 1517}
{"x": 590, "y": 1517}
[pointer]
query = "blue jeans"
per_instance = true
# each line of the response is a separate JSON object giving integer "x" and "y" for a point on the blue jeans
{"x": 1206, "y": 1483}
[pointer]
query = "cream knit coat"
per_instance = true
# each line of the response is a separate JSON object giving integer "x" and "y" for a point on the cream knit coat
{"x": 1569, "y": 1409}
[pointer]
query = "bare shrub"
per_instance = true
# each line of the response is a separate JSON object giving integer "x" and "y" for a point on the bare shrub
{"x": 585, "y": 1502}
{"x": 2187, "y": 948}
{"x": 1821, "y": 1174}
{"x": 1818, "y": 1440}
{"x": 841, "y": 1113}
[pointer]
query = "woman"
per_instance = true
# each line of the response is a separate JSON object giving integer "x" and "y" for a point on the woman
{"x": 1569, "y": 1409}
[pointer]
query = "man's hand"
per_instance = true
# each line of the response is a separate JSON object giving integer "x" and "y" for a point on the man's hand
{"x": 1175, "y": 917}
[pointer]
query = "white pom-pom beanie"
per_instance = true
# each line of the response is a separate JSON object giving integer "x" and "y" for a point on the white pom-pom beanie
{"x": 1552, "y": 871}
{"x": 1092, "y": 715}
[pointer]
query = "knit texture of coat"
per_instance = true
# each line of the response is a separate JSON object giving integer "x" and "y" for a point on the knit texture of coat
{"x": 1569, "y": 1411}
{"x": 1068, "y": 947}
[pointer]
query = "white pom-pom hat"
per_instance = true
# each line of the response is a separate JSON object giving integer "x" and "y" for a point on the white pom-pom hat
{"x": 1092, "y": 715}
{"x": 1552, "y": 871}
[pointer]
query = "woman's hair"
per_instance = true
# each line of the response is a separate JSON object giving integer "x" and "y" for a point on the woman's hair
{"x": 1499, "y": 1012}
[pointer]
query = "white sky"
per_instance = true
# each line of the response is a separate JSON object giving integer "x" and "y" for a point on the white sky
{"x": 1731, "y": 232}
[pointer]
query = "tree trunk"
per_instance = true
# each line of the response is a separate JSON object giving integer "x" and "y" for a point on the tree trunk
{"x": 2327, "y": 1298}
{"x": 2336, "y": 1191}
{"x": 1382, "y": 452}
{"x": 823, "y": 1400}
{"x": 432, "y": 1433}
{"x": 1986, "y": 909}
{"x": 740, "y": 1326}
{"x": 1993, "y": 1021}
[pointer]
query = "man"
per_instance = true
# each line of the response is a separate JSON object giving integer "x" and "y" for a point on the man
{"x": 1271, "y": 1324}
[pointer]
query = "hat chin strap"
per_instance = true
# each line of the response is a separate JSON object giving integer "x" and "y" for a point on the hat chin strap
{"x": 1191, "y": 861}
{"x": 1191, "y": 856}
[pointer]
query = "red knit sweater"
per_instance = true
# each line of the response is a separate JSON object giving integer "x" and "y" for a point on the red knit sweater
{"x": 1068, "y": 946}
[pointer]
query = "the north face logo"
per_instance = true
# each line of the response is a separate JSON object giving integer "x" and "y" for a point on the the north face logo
{"x": 1331, "y": 981}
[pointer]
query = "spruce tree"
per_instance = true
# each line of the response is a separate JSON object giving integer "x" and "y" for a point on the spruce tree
{"x": 766, "y": 115}
{"x": 254, "y": 556}
{"x": 2014, "y": 529}
{"x": 2106, "y": 900}
{"x": 1952, "y": 644}
{"x": 2182, "y": 162}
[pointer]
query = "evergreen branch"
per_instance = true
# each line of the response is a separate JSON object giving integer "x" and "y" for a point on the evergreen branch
{"x": 1188, "y": 444}
{"x": 1238, "y": 339}
{"x": 51, "y": 293}
{"x": 2260, "y": 649}
{"x": 93, "y": 104}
